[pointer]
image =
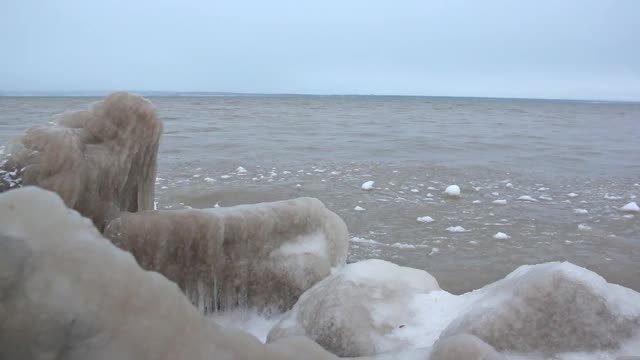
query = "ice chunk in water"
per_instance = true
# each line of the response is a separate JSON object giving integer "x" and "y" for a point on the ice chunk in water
{"x": 452, "y": 191}
{"x": 367, "y": 185}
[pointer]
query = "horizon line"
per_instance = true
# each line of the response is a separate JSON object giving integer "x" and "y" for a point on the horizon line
{"x": 170, "y": 93}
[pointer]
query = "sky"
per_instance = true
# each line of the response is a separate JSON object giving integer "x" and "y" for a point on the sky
{"x": 581, "y": 49}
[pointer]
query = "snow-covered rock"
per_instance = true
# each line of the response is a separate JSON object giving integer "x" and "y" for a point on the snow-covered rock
{"x": 356, "y": 311}
{"x": 550, "y": 308}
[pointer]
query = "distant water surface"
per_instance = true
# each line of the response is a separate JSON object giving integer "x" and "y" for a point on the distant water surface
{"x": 567, "y": 156}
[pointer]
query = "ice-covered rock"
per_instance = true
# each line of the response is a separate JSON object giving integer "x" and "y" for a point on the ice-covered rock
{"x": 262, "y": 255}
{"x": 464, "y": 347}
{"x": 356, "y": 311}
{"x": 550, "y": 308}
{"x": 452, "y": 191}
{"x": 631, "y": 207}
{"x": 368, "y": 185}
{"x": 425, "y": 219}
{"x": 68, "y": 293}
{"x": 101, "y": 161}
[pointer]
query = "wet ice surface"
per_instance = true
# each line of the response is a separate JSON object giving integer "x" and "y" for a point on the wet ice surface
{"x": 234, "y": 150}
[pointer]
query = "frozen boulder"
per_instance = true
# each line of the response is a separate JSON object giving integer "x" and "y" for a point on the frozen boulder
{"x": 356, "y": 311}
{"x": 101, "y": 161}
{"x": 262, "y": 255}
{"x": 464, "y": 347}
{"x": 68, "y": 293}
{"x": 550, "y": 308}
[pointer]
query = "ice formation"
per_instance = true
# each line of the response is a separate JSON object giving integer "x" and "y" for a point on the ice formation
{"x": 262, "y": 255}
{"x": 452, "y": 191}
{"x": 527, "y": 198}
{"x": 464, "y": 347}
{"x": 631, "y": 207}
{"x": 455, "y": 229}
{"x": 367, "y": 185}
{"x": 550, "y": 308}
{"x": 501, "y": 236}
{"x": 355, "y": 311}
{"x": 68, "y": 293}
{"x": 100, "y": 161}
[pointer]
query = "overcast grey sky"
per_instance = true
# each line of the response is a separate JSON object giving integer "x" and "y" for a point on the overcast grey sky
{"x": 513, "y": 48}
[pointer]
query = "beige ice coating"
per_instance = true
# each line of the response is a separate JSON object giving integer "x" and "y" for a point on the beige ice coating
{"x": 260, "y": 256}
{"x": 68, "y": 293}
{"x": 100, "y": 161}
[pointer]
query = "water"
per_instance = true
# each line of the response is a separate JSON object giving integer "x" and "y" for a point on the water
{"x": 326, "y": 147}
